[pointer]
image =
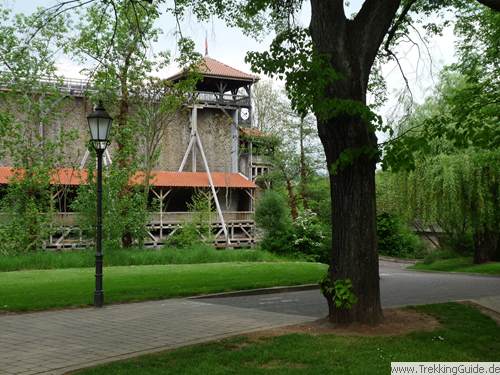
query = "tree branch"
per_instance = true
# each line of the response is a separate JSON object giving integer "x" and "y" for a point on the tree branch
{"x": 392, "y": 31}
{"x": 370, "y": 26}
{"x": 492, "y": 4}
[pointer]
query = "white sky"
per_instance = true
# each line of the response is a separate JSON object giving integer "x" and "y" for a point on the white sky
{"x": 230, "y": 46}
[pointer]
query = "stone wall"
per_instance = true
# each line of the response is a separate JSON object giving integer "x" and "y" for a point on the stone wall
{"x": 213, "y": 125}
{"x": 69, "y": 119}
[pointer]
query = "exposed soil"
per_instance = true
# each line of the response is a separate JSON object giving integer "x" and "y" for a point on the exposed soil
{"x": 396, "y": 322}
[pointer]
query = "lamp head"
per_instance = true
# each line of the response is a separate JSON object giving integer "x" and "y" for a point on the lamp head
{"x": 100, "y": 125}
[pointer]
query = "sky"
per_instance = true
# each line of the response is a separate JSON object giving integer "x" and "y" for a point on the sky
{"x": 230, "y": 46}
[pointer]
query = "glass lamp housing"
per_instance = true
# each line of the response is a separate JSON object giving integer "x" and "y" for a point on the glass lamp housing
{"x": 100, "y": 125}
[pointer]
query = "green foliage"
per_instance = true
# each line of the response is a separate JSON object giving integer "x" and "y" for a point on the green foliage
{"x": 463, "y": 111}
{"x": 396, "y": 239}
{"x": 303, "y": 238}
{"x": 309, "y": 238}
{"x": 340, "y": 292}
{"x": 448, "y": 152}
{"x": 457, "y": 191}
{"x": 262, "y": 145}
{"x": 115, "y": 224}
{"x": 26, "y": 210}
{"x": 307, "y": 75}
{"x": 273, "y": 216}
{"x": 29, "y": 114}
{"x": 198, "y": 230}
{"x": 142, "y": 106}
{"x": 318, "y": 200}
{"x": 184, "y": 237}
{"x": 202, "y": 210}
{"x": 118, "y": 51}
{"x": 461, "y": 114}
{"x": 272, "y": 212}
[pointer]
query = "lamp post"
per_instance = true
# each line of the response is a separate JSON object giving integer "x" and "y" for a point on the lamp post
{"x": 100, "y": 125}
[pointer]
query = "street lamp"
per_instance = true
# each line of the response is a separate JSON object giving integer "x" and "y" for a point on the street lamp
{"x": 100, "y": 125}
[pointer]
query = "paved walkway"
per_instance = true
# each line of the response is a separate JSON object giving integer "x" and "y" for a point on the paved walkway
{"x": 59, "y": 341}
{"x": 492, "y": 303}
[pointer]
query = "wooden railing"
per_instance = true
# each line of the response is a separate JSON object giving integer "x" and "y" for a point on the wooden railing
{"x": 78, "y": 87}
{"x": 214, "y": 98}
{"x": 71, "y": 86}
{"x": 70, "y": 219}
{"x": 182, "y": 217}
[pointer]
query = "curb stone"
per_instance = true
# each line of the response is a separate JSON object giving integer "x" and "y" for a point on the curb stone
{"x": 253, "y": 292}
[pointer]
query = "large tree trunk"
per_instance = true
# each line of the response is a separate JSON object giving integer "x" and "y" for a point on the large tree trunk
{"x": 303, "y": 167}
{"x": 351, "y": 47}
{"x": 354, "y": 238}
{"x": 124, "y": 160}
{"x": 292, "y": 199}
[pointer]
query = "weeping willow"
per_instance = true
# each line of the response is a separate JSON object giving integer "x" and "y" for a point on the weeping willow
{"x": 457, "y": 192}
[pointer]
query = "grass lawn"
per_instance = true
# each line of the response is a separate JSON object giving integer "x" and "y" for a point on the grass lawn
{"x": 459, "y": 265}
{"x": 44, "y": 289}
{"x": 121, "y": 257}
{"x": 465, "y": 335}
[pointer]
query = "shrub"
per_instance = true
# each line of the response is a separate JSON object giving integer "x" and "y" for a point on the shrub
{"x": 396, "y": 239}
{"x": 309, "y": 238}
{"x": 304, "y": 238}
{"x": 273, "y": 216}
{"x": 199, "y": 230}
{"x": 184, "y": 237}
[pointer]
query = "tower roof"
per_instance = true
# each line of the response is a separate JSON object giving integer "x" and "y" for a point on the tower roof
{"x": 213, "y": 68}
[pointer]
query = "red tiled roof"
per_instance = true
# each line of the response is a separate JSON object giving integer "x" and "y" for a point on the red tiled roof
{"x": 214, "y": 68}
{"x": 62, "y": 176}
{"x": 74, "y": 177}
{"x": 196, "y": 179}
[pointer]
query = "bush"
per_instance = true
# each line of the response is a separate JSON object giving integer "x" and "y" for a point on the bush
{"x": 396, "y": 239}
{"x": 184, "y": 237}
{"x": 199, "y": 230}
{"x": 303, "y": 238}
{"x": 309, "y": 239}
{"x": 273, "y": 216}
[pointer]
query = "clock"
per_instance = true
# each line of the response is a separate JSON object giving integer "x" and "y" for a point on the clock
{"x": 245, "y": 114}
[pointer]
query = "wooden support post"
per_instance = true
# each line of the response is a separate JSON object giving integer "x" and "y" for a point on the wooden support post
{"x": 192, "y": 141}
{"x": 194, "y": 127}
{"x": 184, "y": 159}
{"x": 214, "y": 193}
{"x": 250, "y": 160}
{"x": 84, "y": 159}
{"x": 161, "y": 214}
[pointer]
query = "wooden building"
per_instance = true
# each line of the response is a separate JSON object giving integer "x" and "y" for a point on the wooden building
{"x": 198, "y": 152}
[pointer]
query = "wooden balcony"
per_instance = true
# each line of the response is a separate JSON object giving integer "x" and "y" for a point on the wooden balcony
{"x": 214, "y": 99}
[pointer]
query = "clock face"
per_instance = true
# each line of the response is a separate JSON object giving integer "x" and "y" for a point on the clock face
{"x": 245, "y": 114}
